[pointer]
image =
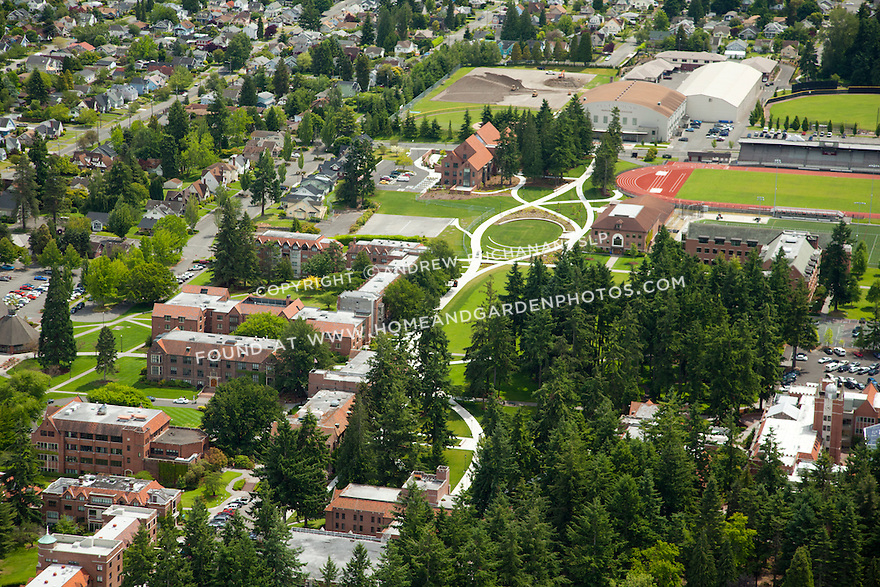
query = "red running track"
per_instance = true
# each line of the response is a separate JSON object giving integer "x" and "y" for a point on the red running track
{"x": 664, "y": 181}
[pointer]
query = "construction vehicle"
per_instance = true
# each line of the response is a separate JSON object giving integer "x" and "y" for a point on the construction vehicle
{"x": 534, "y": 94}
{"x": 512, "y": 88}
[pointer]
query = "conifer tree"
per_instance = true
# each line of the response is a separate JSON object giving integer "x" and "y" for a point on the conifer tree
{"x": 57, "y": 346}
{"x": 106, "y": 348}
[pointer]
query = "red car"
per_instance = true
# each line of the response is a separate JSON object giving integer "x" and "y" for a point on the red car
{"x": 25, "y": 288}
{"x": 859, "y": 354}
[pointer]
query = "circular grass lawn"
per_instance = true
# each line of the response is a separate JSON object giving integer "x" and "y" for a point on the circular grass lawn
{"x": 521, "y": 233}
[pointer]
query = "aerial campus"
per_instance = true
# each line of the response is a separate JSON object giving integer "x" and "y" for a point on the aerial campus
{"x": 461, "y": 293}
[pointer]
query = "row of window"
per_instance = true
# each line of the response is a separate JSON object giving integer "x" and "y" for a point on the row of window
{"x": 87, "y": 448}
{"x": 732, "y": 252}
{"x": 354, "y": 527}
{"x": 47, "y": 446}
{"x": 355, "y": 517}
{"x": 50, "y": 433}
{"x": 88, "y": 436}
{"x": 635, "y": 120}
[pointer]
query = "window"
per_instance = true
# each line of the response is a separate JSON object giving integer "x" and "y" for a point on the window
{"x": 99, "y": 500}
{"x": 115, "y": 451}
{"x": 85, "y": 461}
{"x": 70, "y": 435}
{"x": 87, "y": 436}
{"x": 156, "y": 370}
{"x": 115, "y": 439}
{"x": 200, "y": 373}
{"x": 155, "y": 358}
{"x": 101, "y": 449}
{"x": 101, "y": 462}
{"x": 635, "y": 121}
{"x": 187, "y": 360}
{"x": 115, "y": 463}
{"x": 172, "y": 371}
{"x": 256, "y": 377}
{"x": 605, "y": 119}
{"x": 187, "y": 372}
{"x": 47, "y": 446}
{"x": 624, "y": 120}
{"x": 101, "y": 437}
{"x": 70, "y": 459}
{"x": 172, "y": 358}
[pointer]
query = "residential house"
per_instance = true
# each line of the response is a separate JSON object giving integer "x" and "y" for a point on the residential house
{"x": 789, "y": 51}
{"x": 772, "y": 29}
{"x": 748, "y": 34}
{"x": 99, "y": 220}
{"x": 265, "y": 99}
{"x": 42, "y": 63}
{"x": 736, "y": 49}
{"x": 404, "y": 48}
{"x": 7, "y": 125}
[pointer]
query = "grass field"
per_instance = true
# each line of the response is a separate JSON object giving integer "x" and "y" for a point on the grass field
{"x": 576, "y": 212}
{"x": 520, "y": 388}
{"x": 189, "y": 497}
{"x": 628, "y": 263}
{"x": 477, "y": 410}
{"x": 470, "y": 296}
{"x": 130, "y": 335}
{"x": 18, "y": 567}
{"x": 187, "y": 417}
{"x": 794, "y": 190}
{"x": 406, "y": 204}
{"x": 524, "y": 232}
{"x": 457, "y": 425}
{"x": 458, "y": 462}
{"x": 848, "y": 109}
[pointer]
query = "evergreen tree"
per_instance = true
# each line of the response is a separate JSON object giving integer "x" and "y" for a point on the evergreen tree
{"x": 171, "y": 568}
{"x": 238, "y": 564}
{"x": 296, "y": 467}
{"x": 329, "y": 573}
{"x": 281, "y": 79}
{"x": 507, "y": 155}
{"x": 24, "y": 189}
{"x": 593, "y": 545}
{"x": 106, "y": 348}
{"x": 283, "y": 566}
{"x": 491, "y": 355}
{"x": 362, "y": 71}
{"x": 701, "y": 568}
{"x": 7, "y": 527}
{"x": 199, "y": 545}
{"x": 57, "y": 346}
{"x": 36, "y": 87}
{"x": 355, "y": 573}
{"x": 368, "y": 32}
{"x": 800, "y": 573}
{"x": 532, "y": 161}
{"x": 356, "y": 458}
{"x": 178, "y": 122}
{"x": 22, "y": 472}
{"x": 433, "y": 371}
{"x": 138, "y": 560}
{"x": 834, "y": 272}
{"x": 466, "y": 129}
{"x": 357, "y": 179}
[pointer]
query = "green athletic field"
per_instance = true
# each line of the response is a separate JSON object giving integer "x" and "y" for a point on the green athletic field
{"x": 847, "y": 108}
{"x": 794, "y": 190}
{"x": 520, "y": 233}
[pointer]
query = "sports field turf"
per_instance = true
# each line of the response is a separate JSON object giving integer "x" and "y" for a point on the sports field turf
{"x": 794, "y": 190}
{"x": 849, "y": 108}
{"x": 519, "y": 233}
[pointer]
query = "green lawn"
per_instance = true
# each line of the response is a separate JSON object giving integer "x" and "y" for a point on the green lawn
{"x": 520, "y": 233}
{"x": 846, "y": 108}
{"x": 575, "y": 212}
{"x": 456, "y": 240}
{"x": 130, "y": 335}
{"x": 478, "y": 411}
{"x": 458, "y": 462}
{"x": 19, "y": 566}
{"x": 189, "y": 497}
{"x": 531, "y": 193}
{"x": 406, "y": 204}
{"x": 203, "y": 278}
{"x": 457, "y": 425}
{"x": 794, "y": 190}
{"x": 520, "y": 388}
{"x": 470, "y": 296}
{"x": 187, "y": 417}
{"x": 628, "y": 263}
{"x": 128, "y": 370}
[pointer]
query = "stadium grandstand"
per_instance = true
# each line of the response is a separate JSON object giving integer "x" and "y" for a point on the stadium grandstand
{"x": 812, "y": 155}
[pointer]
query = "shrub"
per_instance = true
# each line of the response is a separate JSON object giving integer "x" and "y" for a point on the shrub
{"x": 243, "y": 462}
{"x": 144, "y": 475}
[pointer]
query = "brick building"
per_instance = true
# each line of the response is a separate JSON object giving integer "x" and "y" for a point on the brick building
{"x": 383, "y": 251}
{"x": 331, "y": 409}
{"x": 348, "y": 377}
{"x": 802, "y": 250}
{"x": 84, "y": 499}
{"x": 366, "y": 509}
{"x": 99, "y": 557}
{"x": 80, "y": 437}
{"x": 368, "y": 301}
{"x": 631, "y": 222}
{"x": 345, "y": 332}
{"x": 295, "y": 247}
{"x": 61, "y": 576}
{"x": 470, "y": 164}
{"x": 207, "y": 360}
{"x": 209, "y": 309}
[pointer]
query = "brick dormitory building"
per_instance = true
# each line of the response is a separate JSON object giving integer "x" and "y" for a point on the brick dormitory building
{"x": 78, "y": 438}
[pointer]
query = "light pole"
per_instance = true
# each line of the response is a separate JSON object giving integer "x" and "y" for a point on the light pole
{"x": 871, "y": 209}
{"x": 860, "y": 203}
{"x": 778, "y": 162}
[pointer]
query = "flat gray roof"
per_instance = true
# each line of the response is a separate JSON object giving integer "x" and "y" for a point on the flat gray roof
{"x": 88, "y": 412}
{"x": 317, "y": 547}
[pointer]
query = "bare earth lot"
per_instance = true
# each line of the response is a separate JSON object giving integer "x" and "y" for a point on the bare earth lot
{"x": 514, "y": 87}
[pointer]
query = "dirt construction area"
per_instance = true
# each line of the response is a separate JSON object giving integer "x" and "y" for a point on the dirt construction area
{"x": 515, "y": 87}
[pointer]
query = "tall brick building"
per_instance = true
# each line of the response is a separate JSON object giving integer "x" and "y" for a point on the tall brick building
{"x": 295, "y": 247}
{"x": 79, "y": 437}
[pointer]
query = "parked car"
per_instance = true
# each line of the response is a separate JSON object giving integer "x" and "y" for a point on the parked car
{"x": 839, "y": 351}
{"x": 801, "y": 357}
{"x": 7, "y": 267}
{"x": 181, "y": 400}
{"x": 37, "y": 278}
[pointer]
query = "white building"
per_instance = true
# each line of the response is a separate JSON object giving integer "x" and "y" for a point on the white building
{"x": 648, "y": 112}
{"x": 722, "y": 91}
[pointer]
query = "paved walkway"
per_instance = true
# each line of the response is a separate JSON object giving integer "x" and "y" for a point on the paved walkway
{"x": 233, "y": 494}
{"x": 467, "y": 444}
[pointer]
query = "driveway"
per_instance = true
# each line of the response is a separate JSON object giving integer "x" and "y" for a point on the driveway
{"x": 386, "y": 166}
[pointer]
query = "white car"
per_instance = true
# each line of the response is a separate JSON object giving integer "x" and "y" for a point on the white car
{"x": 181, "y": 400}
{"x": 824, "y": 360}
{"x": 831, "y": 367}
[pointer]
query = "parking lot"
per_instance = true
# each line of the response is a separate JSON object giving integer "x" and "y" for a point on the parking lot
{"x": 29, "y": 281}
{"x": 847, "y": 363}
{"x": 392, "y": 173}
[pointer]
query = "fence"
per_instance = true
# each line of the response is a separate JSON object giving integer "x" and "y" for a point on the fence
{"x": 434, "y": 86}
{"x": 350, "y": 536}
{"x": 823, "y": 91}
